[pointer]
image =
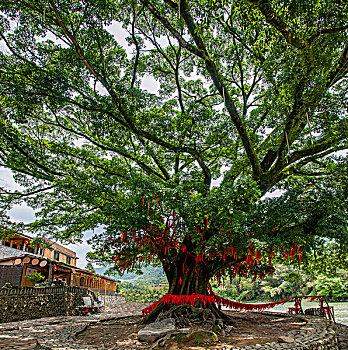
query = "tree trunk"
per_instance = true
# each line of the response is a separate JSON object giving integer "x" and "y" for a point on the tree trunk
{"x": 192, "y": 281}
{"x": 185, "y": 278}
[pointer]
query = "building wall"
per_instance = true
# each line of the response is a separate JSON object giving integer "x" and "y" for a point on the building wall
{"x": 11, "y": 274}
{"x": 48, "y": 253}
{"x": 25, "y": 282}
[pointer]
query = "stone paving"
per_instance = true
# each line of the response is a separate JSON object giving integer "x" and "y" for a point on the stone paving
{"x": 58, "y": 333}
{"x": 342, "y": 336}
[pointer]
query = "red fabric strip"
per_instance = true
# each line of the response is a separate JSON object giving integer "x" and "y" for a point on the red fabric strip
{"x": 215, "y": 299}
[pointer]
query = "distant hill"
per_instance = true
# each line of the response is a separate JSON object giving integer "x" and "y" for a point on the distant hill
{"x": 151, "y": 275}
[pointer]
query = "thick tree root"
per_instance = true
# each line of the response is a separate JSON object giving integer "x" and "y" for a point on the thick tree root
{"x": 162, "y": 341}
{"x": 189, "y": 319}
{"x": 187, "y": 316}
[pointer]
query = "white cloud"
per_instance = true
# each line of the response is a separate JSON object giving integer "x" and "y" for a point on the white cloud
{"x": 7, "y": 181}
{"x": 81, "y": 249}
{"x": 149, "y": 84}
{"x": 120, "y": 35}
{"x": 22, "y": 213}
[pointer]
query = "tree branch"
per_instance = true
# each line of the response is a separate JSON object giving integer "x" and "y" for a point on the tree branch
{"x": 172, "y": 30}
{"x": 278, "y": 23}
{"x": 340, "y": 69}
{"x": 327, "y": 31}
{"x": 137, "y": 47}
{"x": 213, "y": 72}
{"x": 28, "y": 194}
{"x": 144, "y": 166}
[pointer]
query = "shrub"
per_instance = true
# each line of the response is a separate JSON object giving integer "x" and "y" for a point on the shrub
{"x": 35, "y": 277}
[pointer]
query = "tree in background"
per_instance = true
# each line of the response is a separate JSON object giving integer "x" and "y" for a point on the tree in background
{"x": 251, "y": 98}
{"x": 285, "y": 282}
{"x": 334, "y": 288}
{"x": 90, "y": 267}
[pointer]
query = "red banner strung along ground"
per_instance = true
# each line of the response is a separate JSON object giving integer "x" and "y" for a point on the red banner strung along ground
{"x": 215, "y": 299}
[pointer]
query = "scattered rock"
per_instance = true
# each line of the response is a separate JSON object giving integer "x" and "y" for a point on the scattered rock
{"x": 184, "y": 330}
{"x": 278, "y": 320}
{"x": 156, "y": 330}
{"x": 286, "y": 340}
{"x": 228, "y": 329}
{"x": 199, "y": 337}
{"x": 298, "y": 323}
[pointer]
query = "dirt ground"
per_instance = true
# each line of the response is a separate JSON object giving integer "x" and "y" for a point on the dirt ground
{"x": 248, "y": 329}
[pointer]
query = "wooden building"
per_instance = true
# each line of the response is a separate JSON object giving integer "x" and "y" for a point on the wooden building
{"x": 56, "y": 263}
{"x": 50, "y": 249}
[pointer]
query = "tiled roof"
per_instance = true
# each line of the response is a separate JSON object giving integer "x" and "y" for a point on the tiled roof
{"x": 7, "y": 252}
{"x": 54, "y": 245}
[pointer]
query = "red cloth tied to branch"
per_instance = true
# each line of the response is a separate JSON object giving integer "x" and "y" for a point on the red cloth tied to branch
{"x": 215, "y": 299}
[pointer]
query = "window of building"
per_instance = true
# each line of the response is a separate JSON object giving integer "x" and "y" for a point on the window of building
{"x": 68, "y": 260}
{"x": 56, "y": 256}
{"x": 7, "y": 244}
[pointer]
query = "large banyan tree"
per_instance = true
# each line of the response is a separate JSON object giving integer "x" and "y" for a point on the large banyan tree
{"x": 168, "y": 122}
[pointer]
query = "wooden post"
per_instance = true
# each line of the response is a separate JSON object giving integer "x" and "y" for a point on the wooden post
{"x": 104, "y": 294}
{"x": 50, "y": 274}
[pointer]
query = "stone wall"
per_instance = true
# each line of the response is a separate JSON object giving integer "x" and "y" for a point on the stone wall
{"x": 24, "y": 303}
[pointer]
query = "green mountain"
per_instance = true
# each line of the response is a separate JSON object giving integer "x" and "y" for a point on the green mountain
{"x": 150, "y": 275}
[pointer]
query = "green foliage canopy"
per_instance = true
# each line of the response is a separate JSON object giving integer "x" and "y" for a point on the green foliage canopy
{"x": 252, "y": 98}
